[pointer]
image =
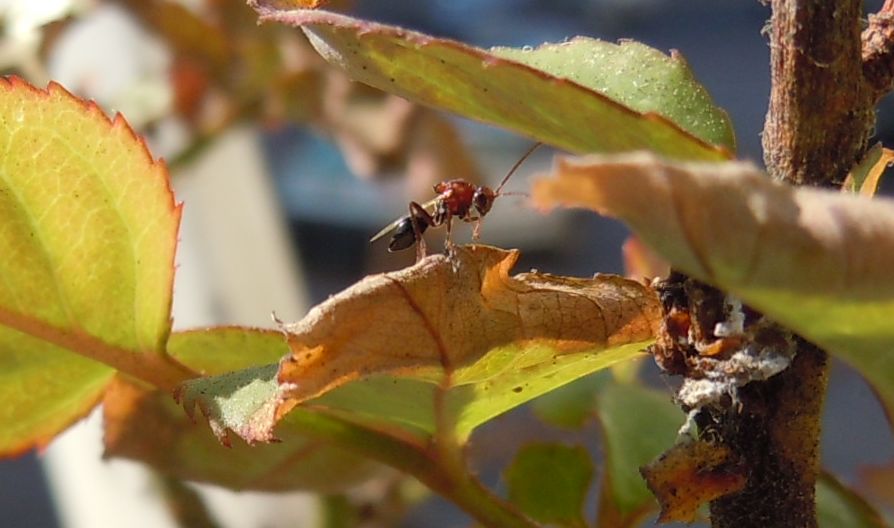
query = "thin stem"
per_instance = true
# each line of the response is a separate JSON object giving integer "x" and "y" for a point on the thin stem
{"x": 185, "y": 504}
{"x": 777, "y": 436}
{"x": 443, "y": 471}
{"x": 157, "y": 368}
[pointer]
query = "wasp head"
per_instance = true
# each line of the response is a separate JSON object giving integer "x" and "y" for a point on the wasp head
{"x": 483, "y": 199}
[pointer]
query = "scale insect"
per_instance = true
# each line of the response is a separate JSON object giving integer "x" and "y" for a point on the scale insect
{"x": 455, "y": 199}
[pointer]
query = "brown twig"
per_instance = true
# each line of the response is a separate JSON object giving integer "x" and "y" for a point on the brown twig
{"x": 878, "y": 51}
{"x": 826, "y": 80}
{"x": 821, "y": 110}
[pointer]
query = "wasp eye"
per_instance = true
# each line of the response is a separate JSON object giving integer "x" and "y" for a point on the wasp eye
{"x": 483, "y": 201}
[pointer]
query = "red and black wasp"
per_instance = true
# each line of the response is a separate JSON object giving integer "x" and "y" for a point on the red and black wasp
{"x": 455, "y": 199}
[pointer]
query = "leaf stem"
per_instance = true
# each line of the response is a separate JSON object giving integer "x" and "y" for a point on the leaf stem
{"x": 442, "y": 470}
{"x": 157, "y": 368}
{"x": 184, "y": 504}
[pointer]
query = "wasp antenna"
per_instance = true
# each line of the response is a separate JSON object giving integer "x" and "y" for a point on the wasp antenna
{"x": 517, "y": 165}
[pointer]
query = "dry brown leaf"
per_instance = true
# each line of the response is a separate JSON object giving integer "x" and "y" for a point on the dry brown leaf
{"x": 816, "y": 261}
{"x": 690, "y": 474}
{"x": 431, "y": 320}
{"x": 728, "y": 223}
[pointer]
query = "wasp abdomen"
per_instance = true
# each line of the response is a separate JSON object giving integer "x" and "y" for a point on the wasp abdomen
{"x": 404, "y": 237}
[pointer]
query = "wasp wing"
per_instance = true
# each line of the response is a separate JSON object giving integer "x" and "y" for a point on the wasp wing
{"x": 428, "y": 206}
{"x": 385, "y": 230}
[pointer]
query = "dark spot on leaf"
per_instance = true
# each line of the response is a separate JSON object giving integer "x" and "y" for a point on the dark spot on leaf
{"x": 517, "y": 389}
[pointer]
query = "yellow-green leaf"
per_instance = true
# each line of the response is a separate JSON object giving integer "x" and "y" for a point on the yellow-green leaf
{"x": 638, "y": 424}
{"x": 637, "y": 76}
{"x": 88, "y": 228}
{"x": 148, "y": 426}
{"x": 549, "y": 482}
{"x": 537, "y": 99}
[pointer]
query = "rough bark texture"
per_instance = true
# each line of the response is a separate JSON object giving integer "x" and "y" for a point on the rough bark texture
{"x": 777, "y": 435}
{"x": 821, "y": 110}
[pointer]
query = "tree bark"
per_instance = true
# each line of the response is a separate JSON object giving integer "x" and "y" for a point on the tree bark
{"x": 826, "y": 80}
{"x": 825, "y": 83}
{"x": 821, "y": 109}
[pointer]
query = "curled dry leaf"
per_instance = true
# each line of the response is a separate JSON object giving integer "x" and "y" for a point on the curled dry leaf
{"x": 689, "y": 475}
{"x": 439, "y": 317}
{"x": 437, "y": 348}
{"x": 816, "y": 261}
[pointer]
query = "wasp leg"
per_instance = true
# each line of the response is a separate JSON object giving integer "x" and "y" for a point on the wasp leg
{"x": 448, "y": 242}
{"x": 419, "y": 217}
{"x": 476, "y": 229}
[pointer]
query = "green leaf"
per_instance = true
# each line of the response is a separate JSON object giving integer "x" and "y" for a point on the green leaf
{"x": 525, "y": 374}
{"x": 549, "y": 483}
{"x": 88, "y": 228}
{"x": 818, "y": 262}
{"x": 538, "y": 103}
{"x": 637, "y": 76}
{"x": 638, "y": 424}
{"x": 224, "y": 349}
{"x": 837, "y": 505}
{"x": 44, "y": 390}
{"x": 572, "y": 405}
{"x": 148, "y": 426}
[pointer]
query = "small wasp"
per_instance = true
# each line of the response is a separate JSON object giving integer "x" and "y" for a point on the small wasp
{"x": 455, "y": 199}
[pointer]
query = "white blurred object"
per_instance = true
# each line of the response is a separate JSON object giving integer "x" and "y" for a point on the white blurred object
{"x": 22, "y": 34}
{"x": 107, "y": 56}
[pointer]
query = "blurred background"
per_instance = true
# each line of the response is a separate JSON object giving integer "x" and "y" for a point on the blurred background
{"x": 287, "y": 168}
